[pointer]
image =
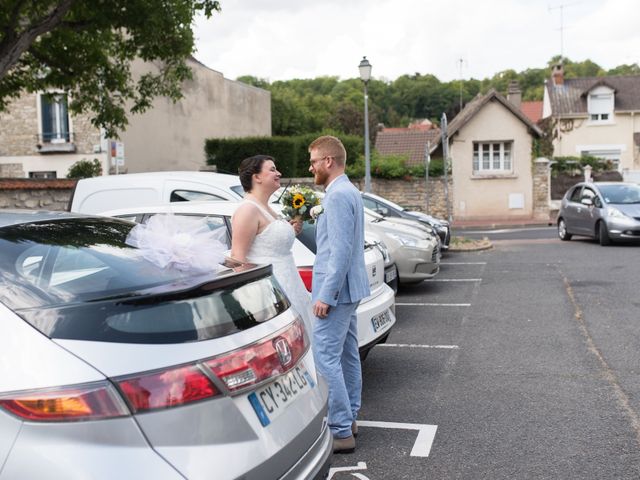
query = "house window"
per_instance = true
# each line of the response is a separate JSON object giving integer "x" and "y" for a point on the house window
{"x": 55, "y": 118}
{"x": 600, "y": 107}
{"x": 492, "y": 157}
{"x": 49, "y": 174}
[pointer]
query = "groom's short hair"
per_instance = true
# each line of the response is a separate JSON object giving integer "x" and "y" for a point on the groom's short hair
{"x": 331, "y": 147}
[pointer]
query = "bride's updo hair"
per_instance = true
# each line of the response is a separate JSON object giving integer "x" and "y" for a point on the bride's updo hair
{"x": 249, "y": 167}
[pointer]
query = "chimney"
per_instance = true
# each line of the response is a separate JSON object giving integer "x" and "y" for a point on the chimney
{"x": 514, "y": 94}
{"x": 557, "y": 74}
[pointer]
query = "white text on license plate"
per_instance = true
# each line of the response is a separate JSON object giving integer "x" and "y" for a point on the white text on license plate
{"x": 381, "y": 320}
{"x": 272, "y": 399}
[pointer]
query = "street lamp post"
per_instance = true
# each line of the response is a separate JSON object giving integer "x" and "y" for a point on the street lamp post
{"x": 365, "y": 76}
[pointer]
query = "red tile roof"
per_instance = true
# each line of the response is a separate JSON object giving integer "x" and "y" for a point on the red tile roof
{"x": 533, "y": 110}
{"x": 36, "y": 184}
{"x": 402, "y": 141}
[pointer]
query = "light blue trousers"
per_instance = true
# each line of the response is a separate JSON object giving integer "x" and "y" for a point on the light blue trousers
{"x": 335, "y": 348}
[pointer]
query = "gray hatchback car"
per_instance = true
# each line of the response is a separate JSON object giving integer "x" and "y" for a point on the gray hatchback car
{"x": 112, "y": 367}
{"x": 606, "y": 211}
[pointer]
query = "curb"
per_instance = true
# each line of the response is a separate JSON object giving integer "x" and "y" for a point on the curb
{"x": 475, "y": 246}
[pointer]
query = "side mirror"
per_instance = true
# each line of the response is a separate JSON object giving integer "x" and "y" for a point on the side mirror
{"x": 587, "y": 201}
{"x": 382, "y": 211}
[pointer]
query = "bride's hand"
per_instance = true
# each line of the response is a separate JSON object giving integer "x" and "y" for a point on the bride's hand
{"x": 297, "y": 226}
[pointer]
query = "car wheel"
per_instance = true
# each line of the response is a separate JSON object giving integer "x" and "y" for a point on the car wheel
{"x": 562, "y": 230}
{"x": 603, "y": 234}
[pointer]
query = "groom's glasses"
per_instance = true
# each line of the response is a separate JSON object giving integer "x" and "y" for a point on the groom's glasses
{"x": 313, "y": 161}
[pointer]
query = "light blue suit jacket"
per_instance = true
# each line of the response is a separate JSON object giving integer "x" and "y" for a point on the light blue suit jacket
{"x": 339, "y": 273}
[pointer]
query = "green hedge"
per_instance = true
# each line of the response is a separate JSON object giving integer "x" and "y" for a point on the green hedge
{"x": 290, "y": 153}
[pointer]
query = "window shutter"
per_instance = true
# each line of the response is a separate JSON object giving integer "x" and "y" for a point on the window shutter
{"x": 600, "y": 103}
{"x": 47, "y": 118}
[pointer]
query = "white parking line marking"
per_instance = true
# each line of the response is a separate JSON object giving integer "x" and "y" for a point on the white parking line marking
{"x": 463, "y": 263}
{"x": 360, "y": 466}
{"x": 433, "y": 304}
{"x": 424, "y": 440}
{"x": 414, "y": 345}
{"x": 453, "y": 280}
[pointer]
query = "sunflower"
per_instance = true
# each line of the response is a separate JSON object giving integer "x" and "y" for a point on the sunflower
{"x": 298, "y": 200}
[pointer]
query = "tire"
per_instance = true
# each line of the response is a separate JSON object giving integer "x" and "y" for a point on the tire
{"x": 562, "y": 230}
{"x": 603, "y": 234}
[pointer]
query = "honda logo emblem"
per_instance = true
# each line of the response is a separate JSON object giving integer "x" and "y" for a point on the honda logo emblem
{"x": 283, "y": 350}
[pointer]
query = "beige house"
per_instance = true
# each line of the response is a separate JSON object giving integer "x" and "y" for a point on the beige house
{"x": 596, "y": 116}
{"x": 492, "y": 166}
{"x": 40, "y": 139}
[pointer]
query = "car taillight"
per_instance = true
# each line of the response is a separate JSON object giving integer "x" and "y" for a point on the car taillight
{"x": 265, "y": 359}
{"x": 306, "y": 273}
{"x": 168, "y": 388}
{"x": 79, "y": 402}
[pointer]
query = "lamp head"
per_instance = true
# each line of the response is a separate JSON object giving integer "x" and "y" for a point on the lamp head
{"x": 365, "y": 70}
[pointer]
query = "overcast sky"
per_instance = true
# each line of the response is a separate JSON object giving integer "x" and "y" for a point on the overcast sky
{"x": 286, "y": 39}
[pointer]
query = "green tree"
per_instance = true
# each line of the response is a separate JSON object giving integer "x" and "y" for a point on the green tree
{"x": 86, "y": 47}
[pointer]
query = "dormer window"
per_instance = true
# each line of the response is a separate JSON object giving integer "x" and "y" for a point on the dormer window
{"x": 600, "y": 105}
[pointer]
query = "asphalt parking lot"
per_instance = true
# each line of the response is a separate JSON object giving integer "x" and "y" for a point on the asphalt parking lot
{"x": 500, "y": 368}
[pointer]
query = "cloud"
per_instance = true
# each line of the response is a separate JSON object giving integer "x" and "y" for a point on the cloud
{"x": 281, "y": 40}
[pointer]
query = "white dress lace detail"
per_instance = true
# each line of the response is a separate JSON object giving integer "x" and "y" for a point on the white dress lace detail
{"x": 273, "y": 245}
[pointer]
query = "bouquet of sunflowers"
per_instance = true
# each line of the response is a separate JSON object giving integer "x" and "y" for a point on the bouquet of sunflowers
{"x": 297, "y": 202}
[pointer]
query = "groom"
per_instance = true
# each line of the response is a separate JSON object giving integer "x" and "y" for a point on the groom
{"x": 339, "y": 283}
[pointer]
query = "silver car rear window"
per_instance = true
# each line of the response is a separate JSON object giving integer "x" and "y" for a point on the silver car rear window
{"x": 78, "y": 279}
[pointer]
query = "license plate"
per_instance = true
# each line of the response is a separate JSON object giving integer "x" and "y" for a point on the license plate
{"x": 272, "y": 400}
{"x": 390, "y": 275}
{"x": 381, "y": 320}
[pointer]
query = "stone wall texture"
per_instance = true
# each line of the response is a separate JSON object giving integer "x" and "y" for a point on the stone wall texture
{"x": 51, "y": 194}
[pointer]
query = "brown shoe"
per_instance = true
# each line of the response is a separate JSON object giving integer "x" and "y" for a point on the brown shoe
{"x": 344, "y": 445}
{"x": 354, "y": 429}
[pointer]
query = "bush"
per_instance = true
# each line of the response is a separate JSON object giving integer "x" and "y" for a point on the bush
{"x": 394, "y": 166}
{"x": 577, "y": 164}
{"x": 85, "y": 169}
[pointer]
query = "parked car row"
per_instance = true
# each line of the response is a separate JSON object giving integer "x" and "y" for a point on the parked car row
{"x": 414, "y": 246}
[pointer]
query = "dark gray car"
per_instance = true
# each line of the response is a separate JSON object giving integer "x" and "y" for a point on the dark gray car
{"x": 606, "y": 211}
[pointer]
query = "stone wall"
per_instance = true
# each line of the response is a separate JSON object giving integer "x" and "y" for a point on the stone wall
{"x": 51, "y": 194}
{"x": 408, "y": 193}
{"x": 541, "y": 189}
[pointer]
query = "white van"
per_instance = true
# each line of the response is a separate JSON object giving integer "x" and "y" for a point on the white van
{"x": 97, "y": 194}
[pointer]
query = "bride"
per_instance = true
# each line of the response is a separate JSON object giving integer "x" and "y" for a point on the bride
{"x": 262, "y": 236}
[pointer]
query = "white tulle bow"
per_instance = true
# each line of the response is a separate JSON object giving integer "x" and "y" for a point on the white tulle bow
{"x": 180, "y": 242}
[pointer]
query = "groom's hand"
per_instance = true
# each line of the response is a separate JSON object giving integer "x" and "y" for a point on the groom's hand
{"x": 320, "y": 309}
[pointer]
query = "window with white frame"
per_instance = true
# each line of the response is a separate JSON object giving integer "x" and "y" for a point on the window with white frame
{"x": 492, "y": 157}
{"x": 600, "y": 105}
{"x": 54, "y": 116}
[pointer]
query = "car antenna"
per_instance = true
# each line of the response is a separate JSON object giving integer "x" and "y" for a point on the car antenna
{"x": 285, "y": 189}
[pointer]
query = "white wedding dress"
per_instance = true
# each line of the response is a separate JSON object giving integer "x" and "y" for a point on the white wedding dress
{"x": 273, "y": 245}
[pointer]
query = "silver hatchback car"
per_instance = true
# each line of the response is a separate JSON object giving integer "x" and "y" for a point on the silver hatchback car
{"x": 112, "y": 367}
{"x": 606, "y": 211}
